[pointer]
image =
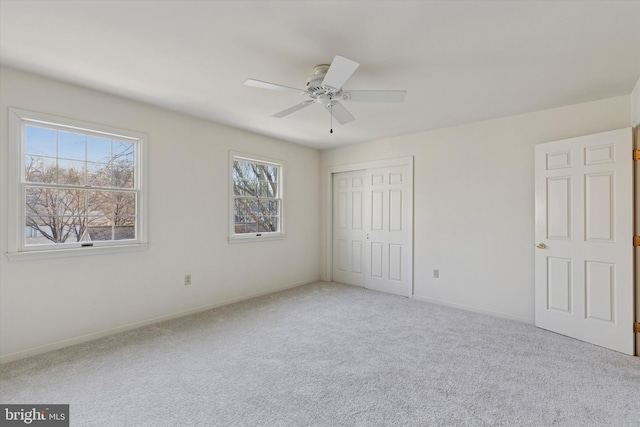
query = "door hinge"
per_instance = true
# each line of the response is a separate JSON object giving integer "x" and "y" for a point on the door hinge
{"x": 636, "y": 327}
{"x": 636, "y": 240}
{"x": 636, "y": 154}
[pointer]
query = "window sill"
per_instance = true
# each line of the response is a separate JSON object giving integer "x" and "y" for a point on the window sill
{"x": 74, "y": 252}
{"x": 253, "y": 238}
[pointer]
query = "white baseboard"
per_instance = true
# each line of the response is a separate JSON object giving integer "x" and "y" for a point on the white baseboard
{"x": 10, "y": 357}
{"x": 476, "y": 310}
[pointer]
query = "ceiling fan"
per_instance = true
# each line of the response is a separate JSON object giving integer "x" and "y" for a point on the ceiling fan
{"x": 325, "y": 88}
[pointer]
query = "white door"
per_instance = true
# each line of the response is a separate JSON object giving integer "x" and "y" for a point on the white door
{"x": 349, "y": 233}
{"x": 372, "y": 228}
{"x": 584, "y": 229}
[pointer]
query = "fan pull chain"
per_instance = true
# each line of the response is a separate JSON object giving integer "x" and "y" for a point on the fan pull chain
{"x": 331, "y": 122}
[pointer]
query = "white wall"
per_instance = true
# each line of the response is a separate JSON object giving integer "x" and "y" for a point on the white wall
{"x": 474, "y": 202}
{"x": 50, "y": 303}
{"x": 635, "y": 104}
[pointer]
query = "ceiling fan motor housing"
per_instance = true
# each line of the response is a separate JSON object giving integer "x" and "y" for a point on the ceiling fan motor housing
{"x": 317, "y": 91}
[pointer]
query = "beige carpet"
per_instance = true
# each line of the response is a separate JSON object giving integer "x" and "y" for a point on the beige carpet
{"x": 333, "y": 355}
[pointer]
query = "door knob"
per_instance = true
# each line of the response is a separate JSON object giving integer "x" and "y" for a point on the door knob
{"x": 541, "y": 246}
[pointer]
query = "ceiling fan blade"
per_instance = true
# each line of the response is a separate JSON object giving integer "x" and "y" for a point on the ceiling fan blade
{"x": 273, "y": 86}
{"x": 292, "y": 109}
{"x": 339, "y": 72}
{"x": 340, "y": 113}
{"x": 375, "y": 95}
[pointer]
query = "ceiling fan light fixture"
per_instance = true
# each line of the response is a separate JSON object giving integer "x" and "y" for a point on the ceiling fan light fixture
{"x": 323, "y": 100}
{"x": 321, "y": 69}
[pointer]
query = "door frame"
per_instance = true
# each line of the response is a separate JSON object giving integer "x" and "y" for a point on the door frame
{"x": 636, "y": 228}
{"x": 331, "y": 170}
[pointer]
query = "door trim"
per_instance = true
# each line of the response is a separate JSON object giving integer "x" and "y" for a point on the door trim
{"x": 398, "y": 161}
{"x": 636, "y": 226}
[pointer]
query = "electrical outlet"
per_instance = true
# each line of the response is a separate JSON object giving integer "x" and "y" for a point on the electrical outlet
{"x": 187, "y": 279}
{"x": 436, "y": 274}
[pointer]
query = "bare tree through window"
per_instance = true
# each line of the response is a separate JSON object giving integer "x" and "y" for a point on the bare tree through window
{"x": 78, "y": 187}
{"x": 257, "y": 201}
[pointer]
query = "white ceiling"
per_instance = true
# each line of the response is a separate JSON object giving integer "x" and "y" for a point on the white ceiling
{"x": 460, "y": 61}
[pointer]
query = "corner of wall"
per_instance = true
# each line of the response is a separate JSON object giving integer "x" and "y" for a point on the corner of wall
{"x": 635, "y": 104}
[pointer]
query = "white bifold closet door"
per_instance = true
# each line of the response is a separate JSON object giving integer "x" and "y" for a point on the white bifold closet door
{"x": 372, "y": 229}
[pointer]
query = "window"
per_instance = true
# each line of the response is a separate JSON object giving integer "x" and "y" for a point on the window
{"x": 256, "y": 198}
{"x": 77, "y": 187}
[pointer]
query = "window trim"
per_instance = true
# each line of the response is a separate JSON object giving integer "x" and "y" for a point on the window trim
{"x": 255, "y": 237}
{"x": 17, "y": 250}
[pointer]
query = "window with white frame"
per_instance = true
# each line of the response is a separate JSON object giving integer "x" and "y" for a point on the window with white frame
{"x": 256, "y": 198}
{"x": 78, "y": 185}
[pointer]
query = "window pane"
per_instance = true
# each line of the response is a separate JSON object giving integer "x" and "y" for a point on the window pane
{"x": 99, "y": 229}
{"x": 72, "y": 217}
{"x": 123, "y": 151}
{"x": 237, "y": 188}
{"x": 71, "y": 145}
{"x": 122, "y": 174}
{"x": 38, "y": 230}
{"x": 234, "y": 172}
{"x": 245, "y": 188}
{"x": 125, "y": 232}
{"x": 50, "y": 230}
{"x": 102, "y": 229}
{"x": 40, "y": 169}
{"x": 100, "y": 204}
{"x": 267, "y": 173}
{"x": 273, "y": 172}
{"x": 40, "y": 141}
{"x": 267, "y": 189}
{"x": 244, "y": 170}
{"x": 98, "y": 149}
{"x": 99, "y": 221}
{"x": 264, "y": 207}
{"x": 124, "y": 208}
{"x": 253, "y": 207}
{"x": 57, "y": 216}
{"x": 264, "y": 224}
{"x": 247, "y": 215}
{"x": 41, "y": 201}
{"x": 255, "y": 216}
{"x": 70, "y": 172}
{"x": 98, "y": 174}
{"x": 239, "y": 208}
{"x": 273, "y": 223}
{"x": 72, "y": 203}
{"x": 264, "y": 189}
{"x": 119, "y": 207}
